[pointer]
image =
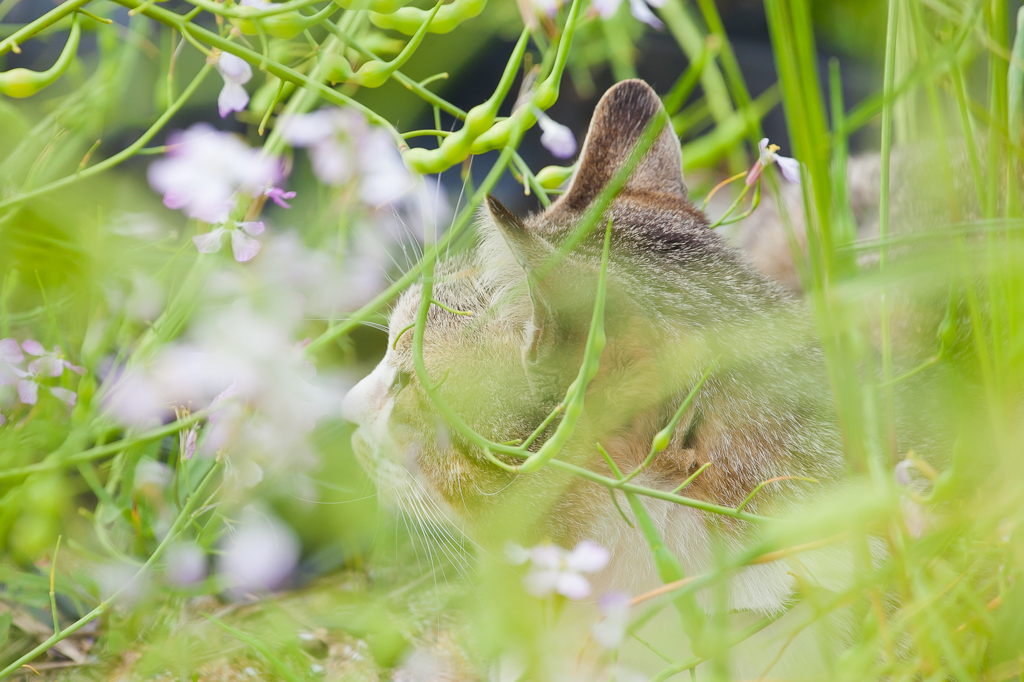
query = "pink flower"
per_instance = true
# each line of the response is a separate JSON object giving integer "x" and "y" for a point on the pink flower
{"x": 50, "y": 364}
{"x": 46, "y": 364}
{"x": 902, "y": 472}
{"x": 639, "y": 8}
{"x": 205, "y": 170}
{"x": 342, "y": 143}
{"x": 611, "y": 630}
{"x": 555, "y": 570}
{"x": 236, "y": 73}
{"x": 242, "y": 246}
{"x": 10, "y": 357}
{"x": 184, "y": 564}
{"x": 258, "y": 555}
{"x": 555, "y": 137}
{"x": 790, "y": 167}
{"x": 278, "y": 196}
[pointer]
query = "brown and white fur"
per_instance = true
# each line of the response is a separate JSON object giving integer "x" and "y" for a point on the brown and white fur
{"x": 679, "y": 301}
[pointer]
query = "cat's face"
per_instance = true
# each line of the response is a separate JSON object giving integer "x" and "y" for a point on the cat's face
{"x": 508, "y": 363}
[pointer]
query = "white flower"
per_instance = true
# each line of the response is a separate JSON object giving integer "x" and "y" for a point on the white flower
{"x": 553, "y": 569}
{"x": 184, "y": 564}
{"x": 243, "y": 247}
{"x": 204, "y": 170}
{"x": 902, "y": 472}
{"x": 46, "y": 364}
{"x": 236, "y": 73}
{"x": 611, "y": 630}
{"x": 342, "y": 143}
{"x": 639, "y": 8}
{"x": 915, "y": 518}
{"x": 555, "y": 137}
{"x": 766, "y": 156}
{"x": 258, "y": 554}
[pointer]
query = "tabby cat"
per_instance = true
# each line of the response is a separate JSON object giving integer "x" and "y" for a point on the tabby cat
{"x": 680, "y": 303}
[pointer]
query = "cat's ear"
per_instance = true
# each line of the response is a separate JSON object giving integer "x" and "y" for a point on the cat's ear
{"x": 618, "y": 123}
{"x": 530, "y": 251}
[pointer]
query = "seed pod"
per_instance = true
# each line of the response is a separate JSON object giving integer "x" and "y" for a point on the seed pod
{"x": 552, "y": 177}
{"x": 408, "y": 20}
{"x": 379, "y": 6}
{"x": 25, "y": 82}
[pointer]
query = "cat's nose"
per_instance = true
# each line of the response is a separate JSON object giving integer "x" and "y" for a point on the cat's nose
{"x": 369, "y": 396}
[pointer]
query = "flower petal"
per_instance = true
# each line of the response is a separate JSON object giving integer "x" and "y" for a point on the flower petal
{"x": 244, "y": 248}
{"x": 70, "y": 397}
{"x": 588, "y": 557}
{"x": 233, "y": 97}
{"x": 252, "y": 228}
{"x": 190, "y": 442}
{"x": 33, "y": 347}
{"x": 305, "y": 130}
{"x": 902, "y": 472}
{"x": 517, "y": 554}
{"x": 541, "y": 583}
{"x": 790, "y": 168}
{"x": 278, "y": 196}
{"x": 643, "y": 13}
{"x": 547, "y": 557}
{"x": 209, "y": 242}
{"x": 608, "y": 633}
{"x": 74, "y": 368}
{"x": 573, "y": 586}
{"x": 28, "y": 391}
{"x": 556, "y": 138}
{"x": 606, "y": 8}
{"x": 234, "y": 69}
{"x": 10, "y": 351}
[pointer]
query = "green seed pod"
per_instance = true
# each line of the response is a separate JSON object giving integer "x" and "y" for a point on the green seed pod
{"x": 552, "y": 177}
{"x": 380, "y": 6}
{"x": 661, "y": 440}
{"x": 286, "y": 25}
{"x": 25, "y": 82}
{"x": 409, "y": 19}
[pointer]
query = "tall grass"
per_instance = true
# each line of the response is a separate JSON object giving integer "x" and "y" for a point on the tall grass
{"x": 935, "y": 592}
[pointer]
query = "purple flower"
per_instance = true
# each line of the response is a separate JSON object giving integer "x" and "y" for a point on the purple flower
{"x": 767, "y": 155}
{"x": 10, "y": 357}
{"x": 555, "y": 137}
{"x": 902, "y": 472}
{"x": 278, "y": 196}
{"x": 236, "y": 73}
{"x": 341, "y": 144}
{"x": 50, "y": 364}
{"x": 555, "y": 570}
{"x": 611, "y": 630}
{"x": 46, "y": 364}
{"x": 184, "y": 564}
{"x": 205, "y": 169}
{"x": 640, "y": 9}
{"x": 258, "y": 555}
{"x": 243, "y": 247}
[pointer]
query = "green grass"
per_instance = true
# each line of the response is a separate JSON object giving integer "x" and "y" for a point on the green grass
{"x": 942, "y": 603}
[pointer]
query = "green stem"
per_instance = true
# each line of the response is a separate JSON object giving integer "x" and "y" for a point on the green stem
{"x": 883, "y": 221}
{"x": 184, "y": 516}
{"x": 102, "y": 450}
{"x": 123, "y": 155}
{"x": 256, "y": 59}
{"x": 24, "y": 33}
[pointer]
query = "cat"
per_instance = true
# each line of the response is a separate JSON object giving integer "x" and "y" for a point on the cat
{"x": 681, "y": 302}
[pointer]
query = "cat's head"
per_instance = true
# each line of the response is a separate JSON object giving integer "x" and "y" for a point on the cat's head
{"x": 507, "y": 361}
